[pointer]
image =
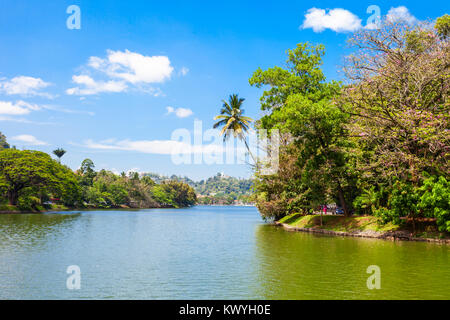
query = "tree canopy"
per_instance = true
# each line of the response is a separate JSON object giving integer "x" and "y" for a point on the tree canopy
{"x": 376, "y": 144}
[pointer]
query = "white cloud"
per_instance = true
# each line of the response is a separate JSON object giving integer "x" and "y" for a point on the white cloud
{"x": 18, "y": 108}
{"x": 133, "y": 67}
{"x": 29, "y": 140}
{"x": 180, "y": 112}
{"x": 91, "y": 87}
{"x": 24, "y": 85}
{"x": 65, "y": 110}
{"x": 170, "y": 110}
{"x": 338, "y": 20}
{"x": 164, "y": 147}
{"x": 401, "y": 14}
{"x": 22, "y": 120}
{"x": 184, "y": 71}
{"x": 122, "y": 68}
{"x": 21, "y": 108}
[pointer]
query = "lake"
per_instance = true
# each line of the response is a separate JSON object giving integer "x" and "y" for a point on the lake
{"x": 205, "y": 252}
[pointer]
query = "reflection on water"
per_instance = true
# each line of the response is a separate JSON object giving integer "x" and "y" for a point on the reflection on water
{"x": 295, "y": 265}
{"x": 204, "y": 253}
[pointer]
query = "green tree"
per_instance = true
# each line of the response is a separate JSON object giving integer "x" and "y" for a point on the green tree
{"x": 435, "y": 201}
{"x": 300, "y": 104}
{"x": 59, "y": 153}
{"x": 232, "y": 120}
{"x": 20, "y": 170}
{"x": 87, "y": 172}
{"x": 443, "y": 26}
{"x": 3, "y": 143}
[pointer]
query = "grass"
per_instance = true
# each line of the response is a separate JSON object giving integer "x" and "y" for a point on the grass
{"x": 338, "y": 223}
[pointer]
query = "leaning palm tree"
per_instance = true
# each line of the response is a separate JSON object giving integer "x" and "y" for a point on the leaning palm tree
{"x": 232, "y": 121}
{"x": 59, "y": 153}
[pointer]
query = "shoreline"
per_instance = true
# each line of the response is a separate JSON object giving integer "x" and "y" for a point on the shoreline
{"x": 389, "y": 235}
{"x": 115, "y": 208}
{"x": 82, "y": 208}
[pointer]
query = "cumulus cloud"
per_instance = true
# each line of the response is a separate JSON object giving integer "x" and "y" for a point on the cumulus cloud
{"x": 338, "y": 20}
{"x": 180, "y": 112}
{"x": 90, "y": 86}
{"x": 133, "y": 67}
{"x": 23, "y": 85}
{"x": 17, "y": 108}
{"x": 29, "y": 140}
{"x": 123, "y": 68}
{"x": 401, "y": 14}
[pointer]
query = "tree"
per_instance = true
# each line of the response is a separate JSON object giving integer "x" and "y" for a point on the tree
{"x": 443, "y": 26}
{"x": 59, "y": 153}
{"x": 20, "y": 170}
{"x": 179, "y": 193}
{"x": 232, "y": 120}
{"x": 300, "y": 104}
{"x": 398, "y": 100}
{"x": 3, "y": 143}
{"x": 87, "y": 172}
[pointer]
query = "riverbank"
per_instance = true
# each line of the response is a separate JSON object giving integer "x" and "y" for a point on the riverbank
{"x": 9, "y": 209}
{"x": 360, "y": 226}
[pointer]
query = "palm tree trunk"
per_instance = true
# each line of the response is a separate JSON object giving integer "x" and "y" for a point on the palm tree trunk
{"x": 248, "y": 149}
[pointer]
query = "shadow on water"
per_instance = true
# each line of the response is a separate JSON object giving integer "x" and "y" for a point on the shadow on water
{"x": 295, "y": 265}
{"x": 30, "y": 229}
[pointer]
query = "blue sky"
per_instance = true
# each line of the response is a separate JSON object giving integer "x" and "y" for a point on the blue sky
{"x": 115, "y": 90}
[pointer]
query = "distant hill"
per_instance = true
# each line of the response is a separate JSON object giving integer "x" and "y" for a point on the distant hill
{"x": 219, "y": 189}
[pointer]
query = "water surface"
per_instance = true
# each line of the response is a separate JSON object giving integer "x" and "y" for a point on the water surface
{"x": 205, "y": 253}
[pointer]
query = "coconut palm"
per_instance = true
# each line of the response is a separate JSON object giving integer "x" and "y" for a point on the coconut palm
{"x": 232, "y": 121}
{"x": 59, "y": 153}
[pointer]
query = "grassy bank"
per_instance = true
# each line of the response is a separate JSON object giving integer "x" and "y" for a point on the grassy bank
{"x": 360, "y": 226}
{"x": 338, "y": 223}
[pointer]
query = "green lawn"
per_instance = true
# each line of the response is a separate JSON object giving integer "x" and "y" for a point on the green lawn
{"x": 338, "y": 223}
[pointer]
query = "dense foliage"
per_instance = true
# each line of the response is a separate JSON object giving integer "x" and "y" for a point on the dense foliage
{"x": 378, "y": 144}
{"x": 30, "y": 177}
{"x": 220, "y": 189}
{"x": 32, "y": 180}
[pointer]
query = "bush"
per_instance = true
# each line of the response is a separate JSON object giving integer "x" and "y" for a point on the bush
{"x": 435, "y": 201}
{"x": 29, "y": 203}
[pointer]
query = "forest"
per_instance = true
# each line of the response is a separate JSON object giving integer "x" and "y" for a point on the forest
{"x": 376, "y": 143}
{"x": 33, "y": 181}
{"x": 220, "y": 189}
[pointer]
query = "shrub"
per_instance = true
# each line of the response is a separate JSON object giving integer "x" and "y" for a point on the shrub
{"x": 435, "y": 201}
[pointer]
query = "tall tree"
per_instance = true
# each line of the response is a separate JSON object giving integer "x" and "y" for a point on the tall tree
{"x": 299, "y": 104}
{"x": 233, "y": 122}
{"x": 87, "y": 172}
{"x": 399, "y": 99}
{"x": 3, "y": 143}
{"x": 59, "y": 153}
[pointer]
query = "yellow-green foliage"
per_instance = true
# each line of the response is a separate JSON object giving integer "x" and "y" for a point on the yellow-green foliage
{"x": 338, "y": 223}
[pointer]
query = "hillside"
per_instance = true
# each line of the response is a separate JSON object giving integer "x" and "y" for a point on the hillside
{"x": 219, "y": 189}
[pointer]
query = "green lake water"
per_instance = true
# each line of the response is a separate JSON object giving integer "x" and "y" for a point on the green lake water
{"x": 205, "y": 253}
